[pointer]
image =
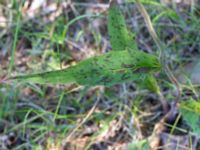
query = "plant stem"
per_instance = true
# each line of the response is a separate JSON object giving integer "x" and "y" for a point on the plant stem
{"x": 160, "y": 46}
{"x": 12, "y": 60}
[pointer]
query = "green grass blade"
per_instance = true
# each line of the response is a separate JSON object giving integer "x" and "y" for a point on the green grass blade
{"x": 14, "y": 45}
{"x": 71, "y": 22}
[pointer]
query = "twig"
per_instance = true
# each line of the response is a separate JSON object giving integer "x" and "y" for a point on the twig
{"x": 3, "y": 80}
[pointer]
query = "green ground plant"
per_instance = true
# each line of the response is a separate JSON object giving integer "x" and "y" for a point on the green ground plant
{"x": 124, "y": 63}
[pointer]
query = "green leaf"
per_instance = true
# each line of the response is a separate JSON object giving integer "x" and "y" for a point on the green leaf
{"x": 107, "y": 69}
{"x": 150, "y": 83}
{"x": 190, "y": 111}
{"x": 120, "y": 37}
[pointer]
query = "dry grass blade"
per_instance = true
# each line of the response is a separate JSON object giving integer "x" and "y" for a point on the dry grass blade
{"x": 68, "y": 138}
{"x": 160, "y": 45}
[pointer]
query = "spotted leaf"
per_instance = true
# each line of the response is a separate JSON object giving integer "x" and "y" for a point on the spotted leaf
{"x": 107, "y": 69}
{"x": 120, "y": 37}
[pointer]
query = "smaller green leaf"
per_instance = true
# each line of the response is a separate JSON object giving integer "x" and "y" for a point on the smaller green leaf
{"x": 190, "y": 111}
{"x": 151, "y": 84}
{"x": 120, "y": 37}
